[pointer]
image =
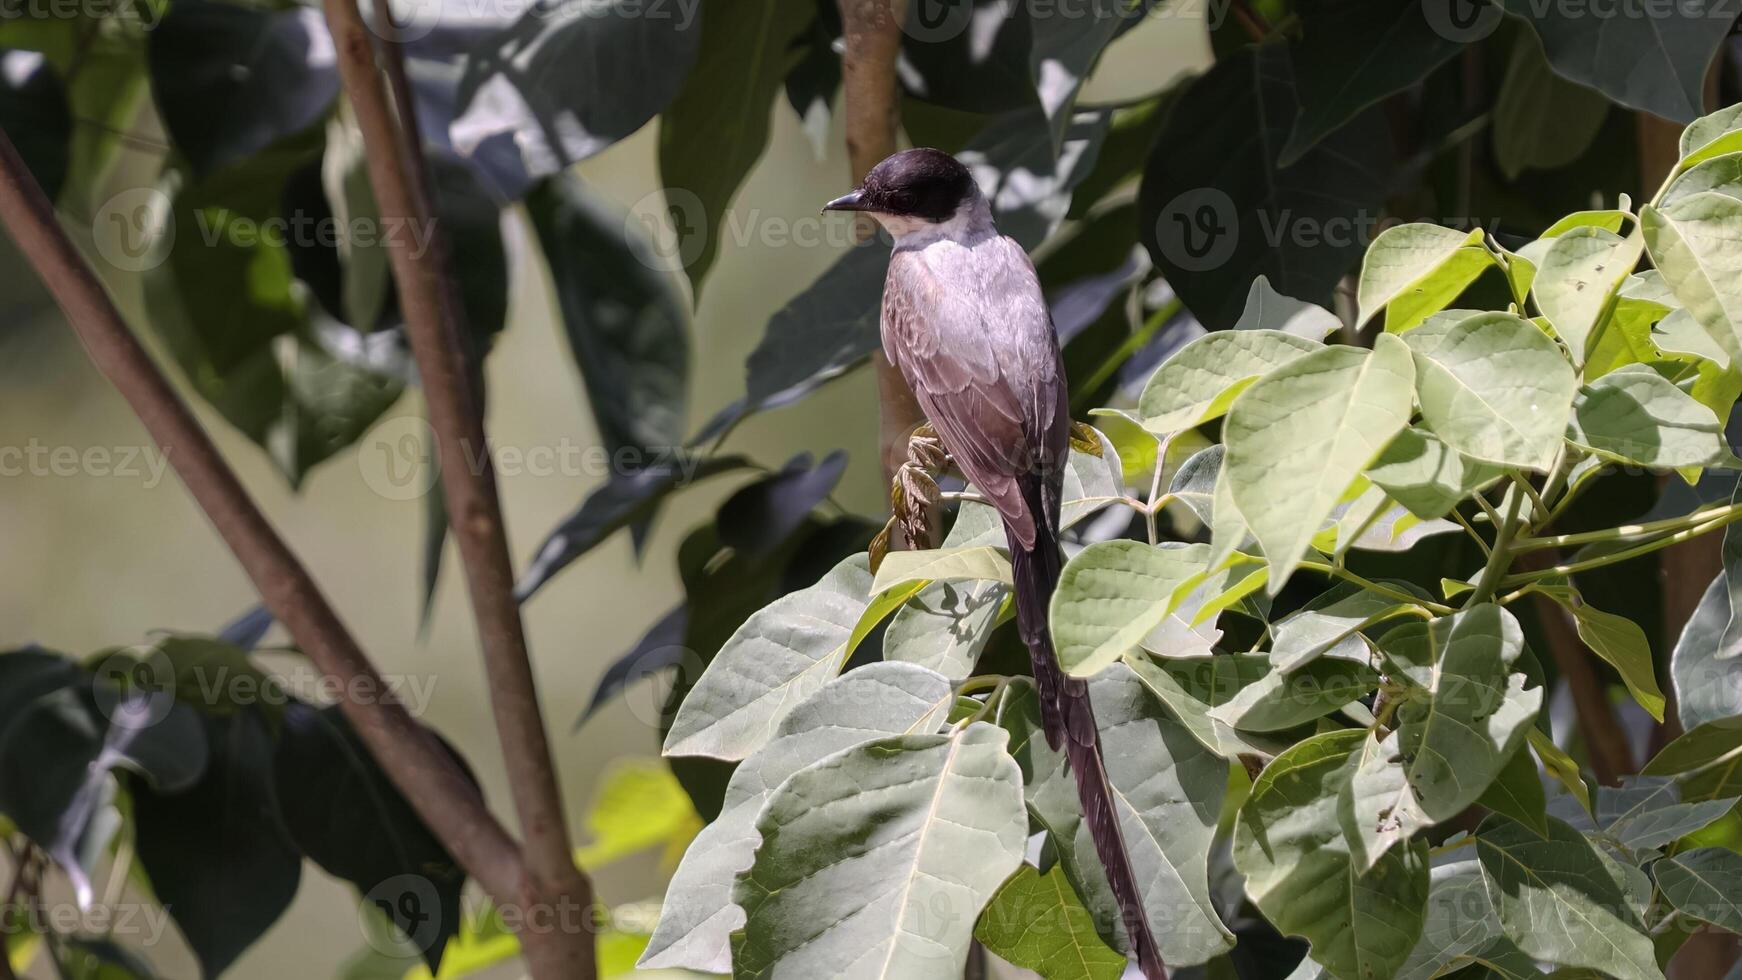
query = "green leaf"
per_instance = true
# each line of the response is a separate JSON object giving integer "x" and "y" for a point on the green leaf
{"x": 1558, "y": 902}
{"x": 1064, "y": 50}
{"x": 1494, "y": 387}
{"x": 1616, "y": 639}
{"x": 216, "y": 856}
{"x": 931, "y": 821}
{"x": 1037, "y": 922}
{"x": 875, "y": 701}
{"x": 1646, "y": 812}
{"x": 1711, "y": 743}
{"x": 638, "y": 806}
{"x": 1542, "y": 121}
{"x": 1721, "y": 174}
{"x": 1112, "y": 594}
{"x": 567, "y": 80}
{"x": 946, "y": 625}
{"x": 1429, "y": 478}
{"x": 1704, "y": 138}
{"x": 1300, "y": 435}
{"x": 1216, "y": 209}
{"x": 626, "y": 320}
{"x": 1168, "y": 790}
{"x": 1461, "y": 921}
{"x": 1415, "y": 270}
{"x": 1454, "y": 732}
{"x": 1691, "y": 244}
{"x": 1704, "y": 883}
{"x": 320, "y": 765}
{"x": 1278, "y": 699}
{"x": 1267, "y": 309}
{"x": 1201, "y": 380}
{"x": 1655, "y": 61}
{"x": 981, "y": 563}
{"x": 1300, "y": 873}
{"x": 1577, "y": 278}
{"x": 1517, "y": 793}
{"x": 1560, "y": 765}
{"x": 1328, "y": 626}
{"x": 1706, "y": 688}
{"x": 1188, "y": 689}
{"x": 781, "y": 655}
{"x": 33, "y": 108}
{"x": 1397, "y": 47}
{"x": 60, "y": 752}
{"x": 717, "y": 126}
{"x": 1635, "y": 415}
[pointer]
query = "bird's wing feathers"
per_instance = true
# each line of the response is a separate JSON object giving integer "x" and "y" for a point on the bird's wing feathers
{"x": 970, "y": 332}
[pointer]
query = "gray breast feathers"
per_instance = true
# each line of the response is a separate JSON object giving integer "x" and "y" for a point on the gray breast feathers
{"x": 970, "y": 331}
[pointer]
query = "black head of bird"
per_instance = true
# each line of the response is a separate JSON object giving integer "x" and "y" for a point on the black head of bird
{"x": 921, "y": 183}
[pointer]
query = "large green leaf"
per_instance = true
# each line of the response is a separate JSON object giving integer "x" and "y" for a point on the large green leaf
{"x": 714, "y": 131}
{"x": 1705, "y": 883}
{"x": 1396, "y": 46}
{"x": 1200, "y": 380}
{"x": 1706, "y": 688}
{"x": 1692, "y": 243}
{"x": 1063, "y": 51}
{"x": 1267, "y": 309}
{"x": 1455, "y": 732}
{"x": 1300, "y": 435}
{"x": 1494, "y": 387}
{"x": 1189, "y": 689}
{"x": 1650, "y": 58}
{"x": 1616, "y": 639}
{"x": 1299, "y": 870}
{"x": 1429, "y": 478}
{"x": 1635, "y": 415}
{"x": 862, "y": 851}
{"x": 1112, "y": 594}
{"x": 1277, "y": 699}
{"x": 780, "y": 656}
{"x": 1168, "y": 789}
{"x": 875, "y": 701}
{"x": 1037, "y": 922}
{"x": 1216, "y": 209}
{"x": 1577, "y": 278}
{"x": 569, "y": 79}
{"x": 1461, "y": 920}
{"x": 1328, "y": 626}
{"x": 1415, "y": 270}
{"x": 1558, "y": 902}
{"x": 1647, "y": 812}
{"x": 1542, "y": 121}
{"x": 978, "y": 563}
{"x": 626, "y": 320}
{"x": 945, "y": 626}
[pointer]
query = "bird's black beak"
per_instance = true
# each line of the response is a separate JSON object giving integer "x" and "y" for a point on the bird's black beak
{"x": 847, "y": 202}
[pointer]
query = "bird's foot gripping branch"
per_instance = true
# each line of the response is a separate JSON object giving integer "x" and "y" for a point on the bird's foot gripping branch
{"x": 1323, "y": 586}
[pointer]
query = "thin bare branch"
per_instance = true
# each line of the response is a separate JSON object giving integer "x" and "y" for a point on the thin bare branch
{"x": 410, "y": 755}
{"x": 474, "y": 510}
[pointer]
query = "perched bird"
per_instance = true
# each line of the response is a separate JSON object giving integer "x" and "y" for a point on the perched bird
{"x": 965, "y": 323}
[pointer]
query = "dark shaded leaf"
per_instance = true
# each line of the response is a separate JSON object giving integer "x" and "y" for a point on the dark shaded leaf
{"x": 967, "y": 55}
{"x": 1351, "y": 55}
{"x": 57, "y": 755}
{"x": 230, "y": 81}
{"x": 341, "y": 811}
{"x": 1066, "y": 47}
{"x": 625, "y": 321}
{"x": 814, "y": 80}
{"x": 1216, "y": 210}
{"x": 30, "y": 673}
{"x": 1542, "y": 121}
{"x": 757, "y": 517}
{"x": 246, "y": 630}
{"x": 36, "y": 117}
{"x": 217, "y": 855}
{"x": 571, "y": 77}
{"x": 1642, "y": 55}
{"x": 623, "y": 500}
{"x": 717, "y": 127}
{"x": 659, "y": 649}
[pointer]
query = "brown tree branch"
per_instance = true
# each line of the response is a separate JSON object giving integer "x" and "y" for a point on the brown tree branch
{"x": 409, "y": 754}
{"x": 553, "y": 884}
{"x": 871, "y": 30}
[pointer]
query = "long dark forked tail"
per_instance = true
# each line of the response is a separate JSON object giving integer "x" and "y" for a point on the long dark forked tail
{"x": 1068, "y": 718}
